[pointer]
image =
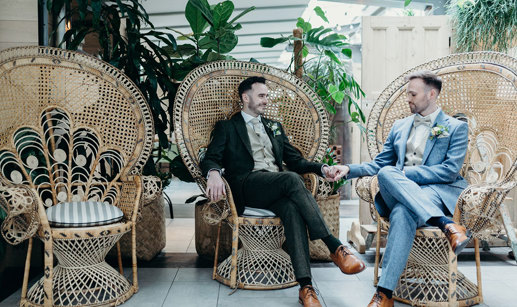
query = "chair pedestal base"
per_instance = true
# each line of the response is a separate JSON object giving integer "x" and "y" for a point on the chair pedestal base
{"x": 431, "y": 276}
{"x": 261, "y": 262}
{"x": 101, "y": 285}
{"x": 82, "y": 276}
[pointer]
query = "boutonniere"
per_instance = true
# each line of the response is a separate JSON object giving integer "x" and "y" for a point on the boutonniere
{"x": 438, "y": 131}
{"x": 274, "y": 128}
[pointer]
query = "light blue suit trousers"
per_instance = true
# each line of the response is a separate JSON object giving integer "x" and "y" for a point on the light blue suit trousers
{"x": 410, "y": 195}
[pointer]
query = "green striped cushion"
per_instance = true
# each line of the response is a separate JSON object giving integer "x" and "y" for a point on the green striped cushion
{"x": 83, "y": 213}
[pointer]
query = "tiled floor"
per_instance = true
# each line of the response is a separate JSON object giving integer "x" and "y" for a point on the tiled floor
{"x": 178, "y": 278}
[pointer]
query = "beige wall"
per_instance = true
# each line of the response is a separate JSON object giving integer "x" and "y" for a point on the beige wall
{"x": 18, "y": 23}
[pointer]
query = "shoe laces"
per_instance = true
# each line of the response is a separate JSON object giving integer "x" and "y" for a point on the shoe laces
{"x": 311, "y": 291}
{"x": 377, "y": 298}
{"x": 343, "y": 250}
{"x": 450, "y": 231}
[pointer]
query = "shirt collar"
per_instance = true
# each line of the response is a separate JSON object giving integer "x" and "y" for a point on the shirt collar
{"x": 432, "y": 116}
{"x": 248, "y": 118}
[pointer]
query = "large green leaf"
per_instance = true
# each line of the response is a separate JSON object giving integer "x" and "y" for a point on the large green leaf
{"x": 222, "y": 12}
{"x": 305, "y": 51}
{"x": 204, "y": 8}
{"x": 269, "y": 42}
{"x": 224, "y": 44}
{"x": 320, "y": 13}
{"x": 181, "y": 51}
{"x": 246, "y": 11}
{"x": 322, "y": 40}
{"x": 332, "y": 56}
{"x": 336, "y": 94}
{"x": 304, "y": 25}
{"x": 196, "y": 20}
{"x": 96, "y": 9}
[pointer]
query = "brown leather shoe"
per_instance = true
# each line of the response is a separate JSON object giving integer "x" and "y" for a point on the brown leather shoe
{"x": 458, "y": 236}
{"x": 308, "y": 297}
{"x": 347, "y": 262}
{"x": 380, "y": 299}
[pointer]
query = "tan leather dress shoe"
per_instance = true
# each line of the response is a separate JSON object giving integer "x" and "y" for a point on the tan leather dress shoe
{"x": 347, "y": 262}
{"x": 458, "y": 237}
{"x": 308, "y": 297}
{"x": 380, "y": 299}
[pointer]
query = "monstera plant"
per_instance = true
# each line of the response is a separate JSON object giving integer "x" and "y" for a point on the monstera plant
{"x": 324, "y": 55}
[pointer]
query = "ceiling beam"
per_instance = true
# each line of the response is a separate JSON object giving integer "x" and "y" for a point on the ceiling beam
{"x": 438, "y": 5}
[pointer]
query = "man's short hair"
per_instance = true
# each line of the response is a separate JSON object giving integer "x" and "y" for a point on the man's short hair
{"x": 429, "y": 78}
{"x": 248, "y": 83}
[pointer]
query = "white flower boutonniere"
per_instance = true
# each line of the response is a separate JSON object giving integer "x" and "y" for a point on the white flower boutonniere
{"x": 438, "y": 131}
{"x": 274, "y": 128}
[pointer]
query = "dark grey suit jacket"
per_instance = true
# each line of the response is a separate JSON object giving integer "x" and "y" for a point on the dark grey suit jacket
{"x": 230, "y": 149}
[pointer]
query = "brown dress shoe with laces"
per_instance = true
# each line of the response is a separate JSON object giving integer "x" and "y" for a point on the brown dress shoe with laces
{"x": 308, "y": 297}
{"x": 347, "y": 262}
{"x": 380, "y": 299}
{"x": 458, "y": 236}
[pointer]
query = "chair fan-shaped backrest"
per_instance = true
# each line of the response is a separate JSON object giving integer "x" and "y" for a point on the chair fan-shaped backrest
{"x": 481, "y": 88}
{"x": 71, "y": 125}
{"x": 209, "y": 94}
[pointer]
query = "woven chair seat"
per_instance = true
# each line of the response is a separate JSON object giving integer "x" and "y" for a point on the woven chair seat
{"x": 479, "y": 88}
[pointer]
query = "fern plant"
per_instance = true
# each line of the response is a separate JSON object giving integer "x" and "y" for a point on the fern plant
{"x": 484, "y": 24}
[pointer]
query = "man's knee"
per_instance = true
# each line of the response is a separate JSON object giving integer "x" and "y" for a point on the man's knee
{"x": 385, "y": 174}
{"x": 292, "y": 180}
{"x": 401, "y": 213}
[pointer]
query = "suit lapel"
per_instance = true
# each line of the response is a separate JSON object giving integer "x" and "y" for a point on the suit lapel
{"x": 405, "y": 130}
{"x": 272, "y": 138}
{"x": 240, "y": 127}
{"x": 440, "y": 120}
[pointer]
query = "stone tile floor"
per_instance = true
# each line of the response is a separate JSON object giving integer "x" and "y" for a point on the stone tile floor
{"x": 178, "y": 278}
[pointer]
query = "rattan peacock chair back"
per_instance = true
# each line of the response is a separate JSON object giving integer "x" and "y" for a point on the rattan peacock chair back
{"x": 209, "y": 94}
{"x": 71, "y": 125}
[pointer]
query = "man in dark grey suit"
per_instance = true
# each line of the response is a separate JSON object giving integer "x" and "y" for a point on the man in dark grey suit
{"x": 250, "y": 149}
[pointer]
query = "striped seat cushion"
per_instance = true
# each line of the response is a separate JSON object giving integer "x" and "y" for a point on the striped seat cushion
{"x": 83, "y": 213}
{"x": 256, "y": 212}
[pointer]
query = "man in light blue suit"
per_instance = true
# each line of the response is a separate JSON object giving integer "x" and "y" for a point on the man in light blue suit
{"x": 418, "y": 174}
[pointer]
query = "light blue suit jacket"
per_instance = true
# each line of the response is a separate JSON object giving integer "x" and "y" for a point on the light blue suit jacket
{"x": 441, "y": 162}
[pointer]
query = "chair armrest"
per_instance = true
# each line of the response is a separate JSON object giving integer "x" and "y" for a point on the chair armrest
{"x": 367, "y": 187}
{"x": 131, "y": 197}
{"x": 215, "y": 212}
{"x": 312, "y": 182}
{"x": 152, "y": 189}
{"x": 20, "y": 202}
{"x": 478, "y": 206}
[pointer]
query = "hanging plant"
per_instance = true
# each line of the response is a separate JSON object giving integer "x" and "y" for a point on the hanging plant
{"x": 484, "y": 24}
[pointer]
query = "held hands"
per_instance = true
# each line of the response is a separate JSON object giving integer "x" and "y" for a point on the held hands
{"x": 335, "y": 172}
{"x": 215, "y": 189}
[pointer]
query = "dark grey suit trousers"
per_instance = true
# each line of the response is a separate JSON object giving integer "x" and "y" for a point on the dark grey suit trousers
{"x": 285, "y": 194}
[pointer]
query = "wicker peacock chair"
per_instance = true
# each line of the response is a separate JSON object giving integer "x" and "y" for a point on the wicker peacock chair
{"x": 480, "y": 88}
{"x": 73, "y": 130}
{"x": 209, "y": 94}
